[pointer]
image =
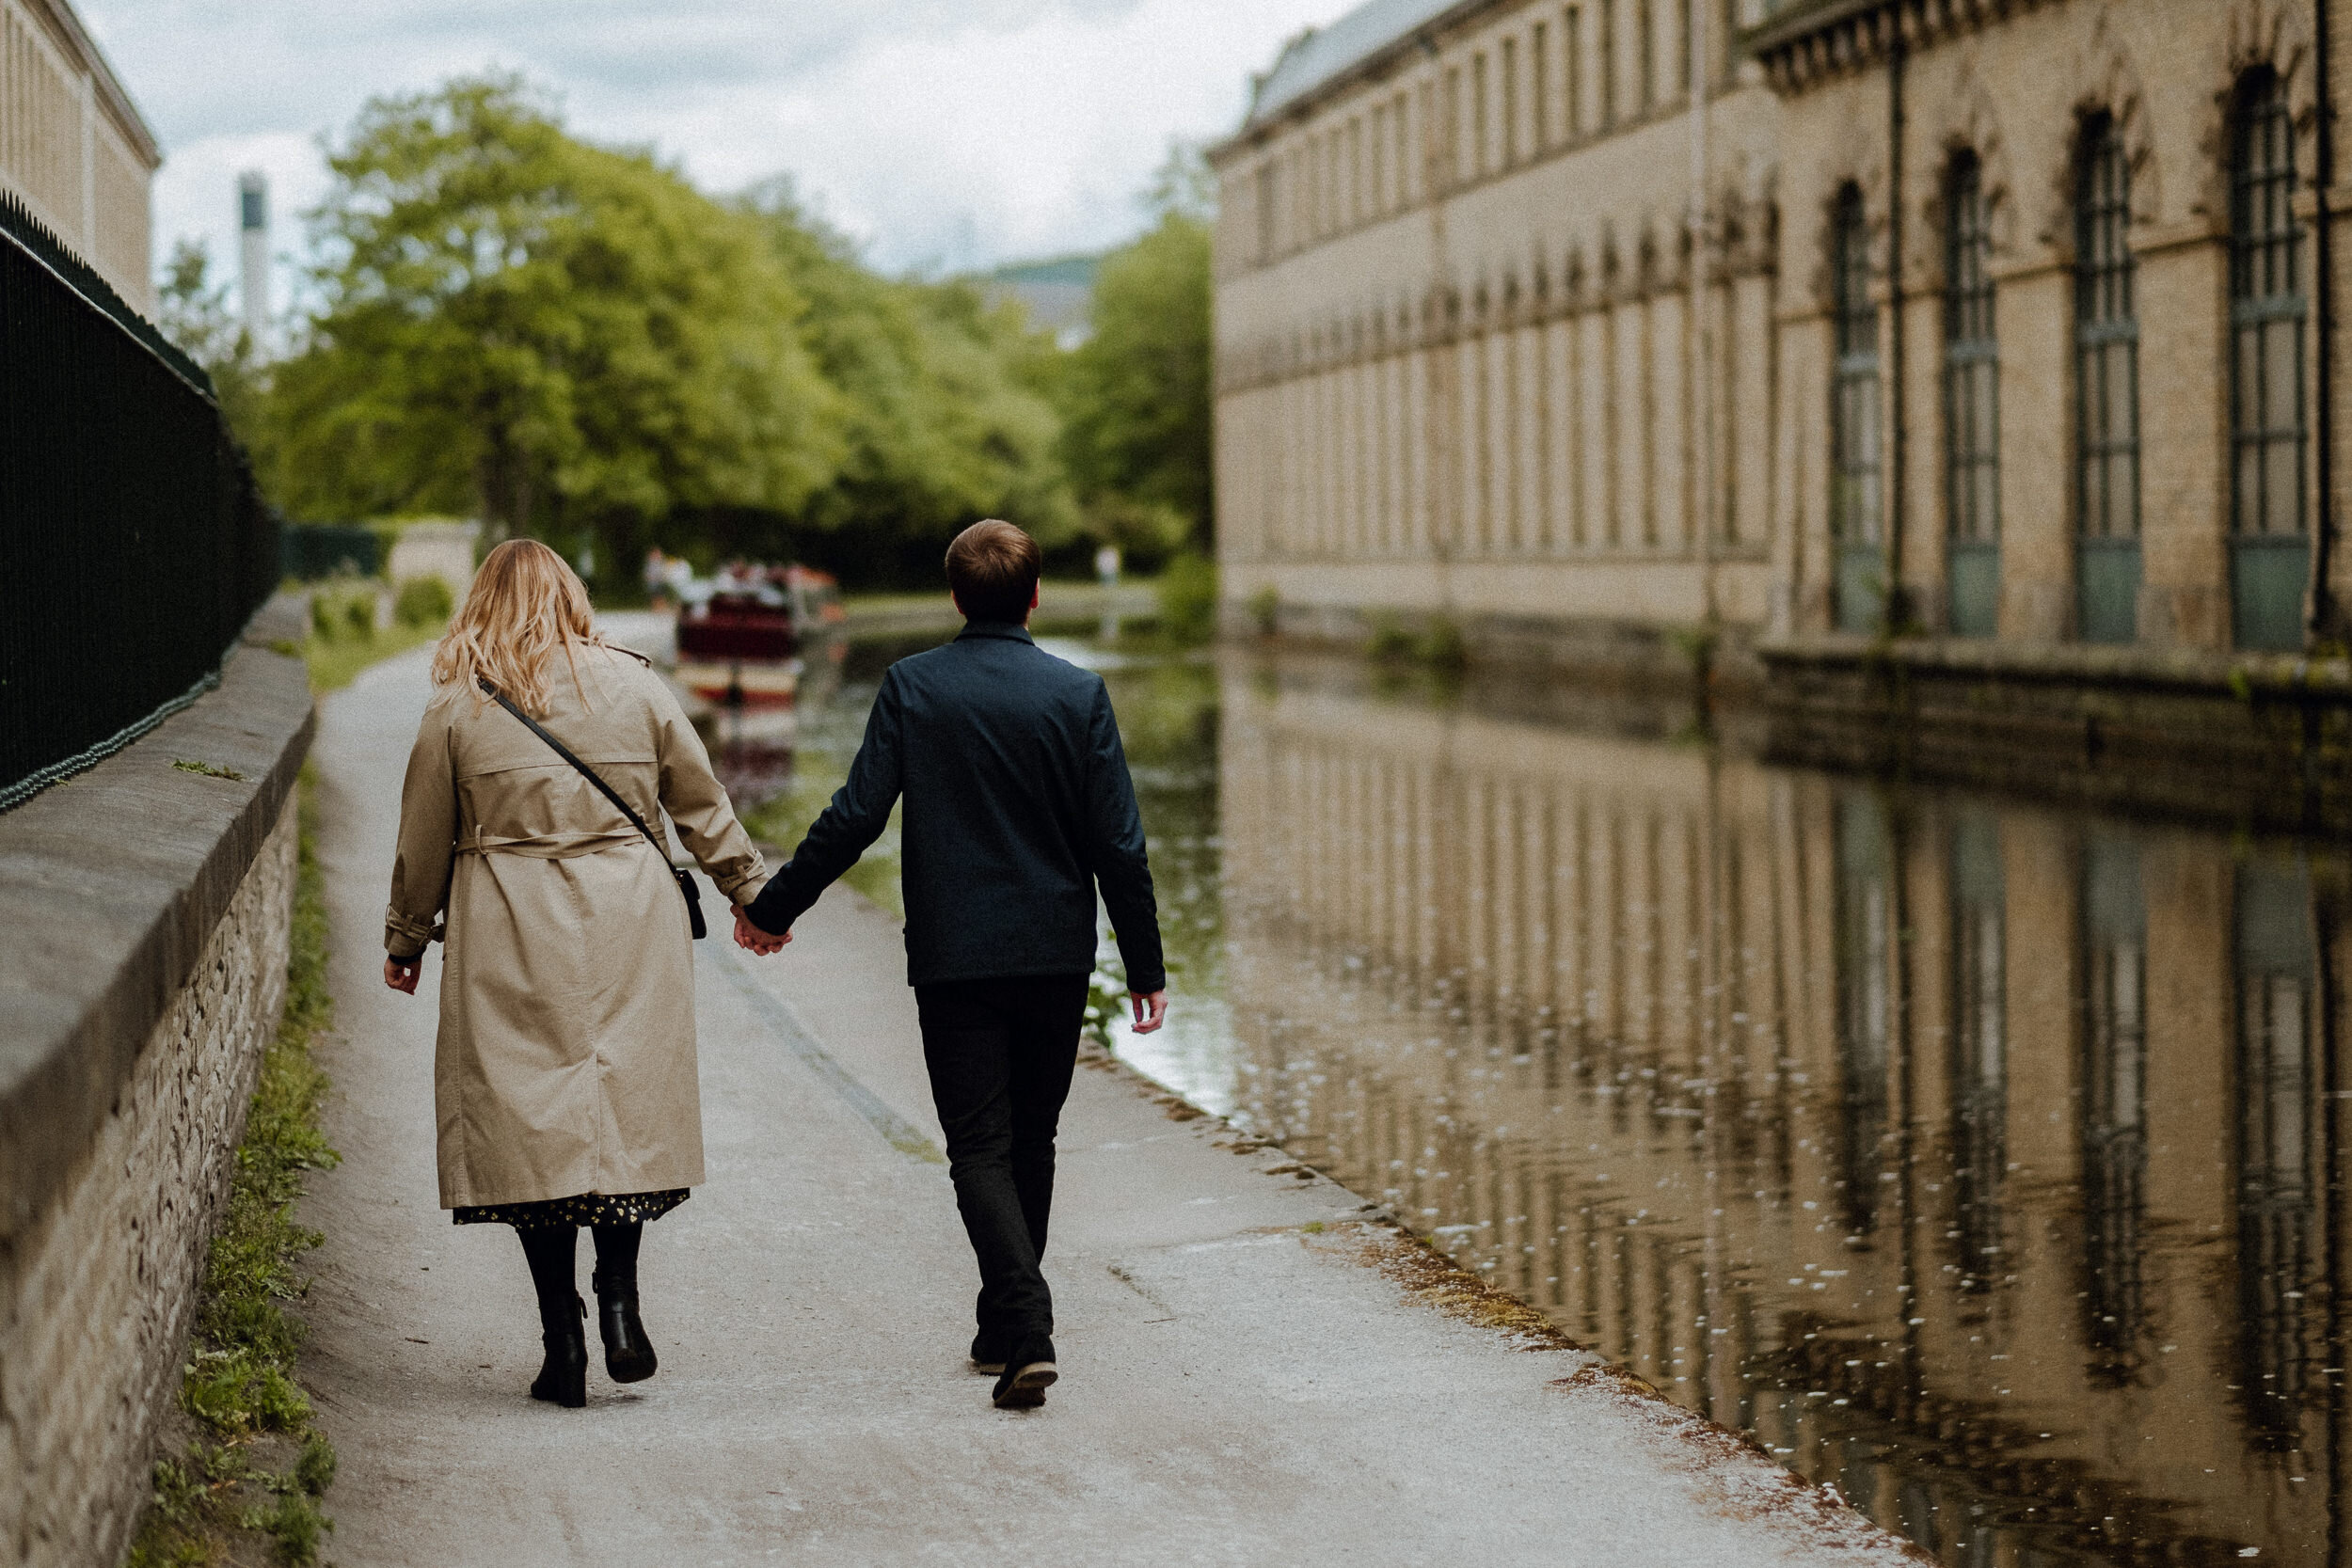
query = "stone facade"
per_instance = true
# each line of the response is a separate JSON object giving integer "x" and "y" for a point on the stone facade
{"x": 95, "y": 1297}
{"x": 1468, "y": 365}
{"x": 72, "y": 146}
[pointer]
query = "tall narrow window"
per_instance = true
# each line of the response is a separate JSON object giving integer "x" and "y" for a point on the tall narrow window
{"x": 1478, "y": 114}
{"x": 2114, "y": 977}
{"x": 1972, "y": 411}
{"x": 1404, "y": 154}
{"x": 1510, "y": 103}
{"x": 1856, "y": 503}
{"x": 1450, "y": 155}
{"x": 1334, "y": 180}
{"x": 1539, "y": 89}
{"x": 1682, "y": 49}
{"x": 1265, "y": 211}
{"x": 1379, "y": 147}
{"x": 1310, "y": 190}
{"x": 1608, "y": 63}
{"x": 2106, "y": 390}
{"x": 1572, "y": 73}
{"x": 1646, "y": 53}
{"x": 1358, "y": 205}
{"x": 2270, "y": 562}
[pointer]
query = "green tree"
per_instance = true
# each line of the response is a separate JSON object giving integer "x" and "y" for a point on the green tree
{"x": 941, "y": 424}
{"x": 193, "y": 311}
{"x": 1135, "y": 396}
{"x": 564, "y": 338}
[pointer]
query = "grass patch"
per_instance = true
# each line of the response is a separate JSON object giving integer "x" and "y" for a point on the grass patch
{"x": 345, "y": 640}
{"x": 247, "y": 1485}
{"x": 783, "y": 822}
{"x": 211, "y": 771}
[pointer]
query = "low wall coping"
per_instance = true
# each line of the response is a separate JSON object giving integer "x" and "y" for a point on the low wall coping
{"x": 112, "y": 882}
{"x": 2069, "y": 663}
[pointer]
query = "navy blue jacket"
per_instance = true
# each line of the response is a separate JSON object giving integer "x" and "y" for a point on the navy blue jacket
{"x": 1017, "y": 802}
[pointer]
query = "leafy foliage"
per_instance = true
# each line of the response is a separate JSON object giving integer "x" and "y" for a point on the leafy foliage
{"x": 564, "y": 337}
{"x": 192, "y": 308}
{"x": 571, "y": 341}
{"x": 1135, "y": 396}
{"x": 941, "y": 420}
{"x": 1188, "y": 599}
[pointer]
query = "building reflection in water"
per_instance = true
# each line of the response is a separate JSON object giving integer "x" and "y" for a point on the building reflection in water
{"x": 1977, "y": 1157}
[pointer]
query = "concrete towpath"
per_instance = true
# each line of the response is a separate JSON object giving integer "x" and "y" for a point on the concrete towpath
{"x": 1242, "y": 1382}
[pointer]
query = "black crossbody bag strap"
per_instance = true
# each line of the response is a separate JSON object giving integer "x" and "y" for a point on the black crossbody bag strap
{"x": 685, "y": 878}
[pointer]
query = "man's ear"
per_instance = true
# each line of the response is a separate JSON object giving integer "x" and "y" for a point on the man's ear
{"x": 1035, "y": 589}
{"x": 953, "y": 600}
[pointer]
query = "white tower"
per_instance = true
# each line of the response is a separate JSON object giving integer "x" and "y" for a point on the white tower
{"x": 253, "y": 252}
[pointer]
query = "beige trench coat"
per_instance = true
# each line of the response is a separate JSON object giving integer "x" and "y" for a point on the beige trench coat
{"x": 566, "y": 1055}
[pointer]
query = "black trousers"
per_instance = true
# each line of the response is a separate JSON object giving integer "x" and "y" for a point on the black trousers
{"x": 1000, "y": 1054}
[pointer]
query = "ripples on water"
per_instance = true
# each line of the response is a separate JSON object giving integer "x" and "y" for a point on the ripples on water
{"x": 1977, "y": 1157}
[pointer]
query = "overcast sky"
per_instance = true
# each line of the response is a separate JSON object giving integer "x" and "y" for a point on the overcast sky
{"x": 946, "y": 134}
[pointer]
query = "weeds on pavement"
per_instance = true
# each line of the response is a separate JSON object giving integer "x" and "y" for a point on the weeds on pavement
{"x": 225, "y": 1499}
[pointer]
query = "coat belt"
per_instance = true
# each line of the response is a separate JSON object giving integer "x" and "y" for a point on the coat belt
{"x": 548, "y": 847}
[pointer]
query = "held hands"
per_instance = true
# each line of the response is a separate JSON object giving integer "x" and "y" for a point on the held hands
{"x": 403, "y": 973}
{"x": 753, "y": 940}
{"x": 1150, "y": 1011}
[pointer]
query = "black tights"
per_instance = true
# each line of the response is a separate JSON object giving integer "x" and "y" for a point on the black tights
{"x": 553, "y": 1251}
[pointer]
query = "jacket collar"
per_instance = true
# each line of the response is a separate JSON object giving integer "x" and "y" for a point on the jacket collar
{"x": 1011, "y": 631}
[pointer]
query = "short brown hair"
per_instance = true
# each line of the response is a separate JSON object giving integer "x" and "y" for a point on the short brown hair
{"x": 993, "y": 569}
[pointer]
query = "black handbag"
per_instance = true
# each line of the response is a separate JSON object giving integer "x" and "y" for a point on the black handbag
{"x": 685, "y": 878}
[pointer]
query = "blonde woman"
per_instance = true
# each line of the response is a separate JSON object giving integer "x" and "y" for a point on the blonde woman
{"x": 564, "y": 1082}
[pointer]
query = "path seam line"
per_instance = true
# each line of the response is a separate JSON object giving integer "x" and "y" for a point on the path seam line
{"x": 798, "y": 1038}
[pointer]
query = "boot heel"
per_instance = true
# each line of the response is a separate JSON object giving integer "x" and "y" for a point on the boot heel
{"x": 564, "y": 1377}
{"x": 629, "y": 1355}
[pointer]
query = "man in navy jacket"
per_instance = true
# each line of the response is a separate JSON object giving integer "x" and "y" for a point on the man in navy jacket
{"x": 1018, "y": 804}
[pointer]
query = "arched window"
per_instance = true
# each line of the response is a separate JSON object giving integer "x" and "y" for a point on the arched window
{"x": 2106, "y": 390}
{"x": 2270, "y": 432}
{"x": 1856, "y": 496}
{"x": 1972, "y": 405}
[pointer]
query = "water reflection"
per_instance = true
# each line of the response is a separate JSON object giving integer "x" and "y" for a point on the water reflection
{"x": 1977, "y": 1157}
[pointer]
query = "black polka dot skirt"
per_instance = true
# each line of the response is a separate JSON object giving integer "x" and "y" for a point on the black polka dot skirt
{"x": 579, "y": 1208}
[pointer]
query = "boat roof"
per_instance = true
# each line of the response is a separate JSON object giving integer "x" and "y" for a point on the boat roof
{"x": 1319, "y": 55}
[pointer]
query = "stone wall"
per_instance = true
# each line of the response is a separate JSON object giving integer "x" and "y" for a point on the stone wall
{"x": 143, "y": 921}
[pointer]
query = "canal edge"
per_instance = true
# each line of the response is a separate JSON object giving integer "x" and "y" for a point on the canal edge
{"x": 1379, "y": 1239}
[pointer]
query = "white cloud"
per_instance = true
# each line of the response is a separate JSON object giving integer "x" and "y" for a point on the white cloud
{"x": 942, "y": 133}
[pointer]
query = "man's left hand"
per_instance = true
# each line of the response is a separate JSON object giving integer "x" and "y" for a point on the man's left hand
{"x": 753, "y": 940}
{"x": 1150, "y": 1011}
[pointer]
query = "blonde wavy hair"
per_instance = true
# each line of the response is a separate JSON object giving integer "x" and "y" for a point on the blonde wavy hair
{"x": 525, "y": 606}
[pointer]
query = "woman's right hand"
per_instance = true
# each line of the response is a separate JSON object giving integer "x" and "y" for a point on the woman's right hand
{"x": 403, "y": 973}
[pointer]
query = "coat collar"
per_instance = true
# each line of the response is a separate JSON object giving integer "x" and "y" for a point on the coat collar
{"x": 1011, "y": 631}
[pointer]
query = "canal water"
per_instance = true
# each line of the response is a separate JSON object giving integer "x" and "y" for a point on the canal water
{"x": 1979, "y": 1157}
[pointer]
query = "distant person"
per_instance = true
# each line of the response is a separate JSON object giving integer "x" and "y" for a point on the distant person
{"x": 564, "y": 1082}
{"x": 1018, "y": 803}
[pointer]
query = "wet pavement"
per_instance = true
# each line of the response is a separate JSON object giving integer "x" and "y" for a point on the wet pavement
{"x": 1979, "y": 1156}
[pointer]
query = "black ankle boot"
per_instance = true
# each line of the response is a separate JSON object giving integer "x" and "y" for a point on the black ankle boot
{"x": 629, "y": 1355}
{"x": 564, "y": 1379}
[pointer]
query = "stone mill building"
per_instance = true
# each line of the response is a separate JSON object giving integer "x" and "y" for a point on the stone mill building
{"x": 1996, "y": 332}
